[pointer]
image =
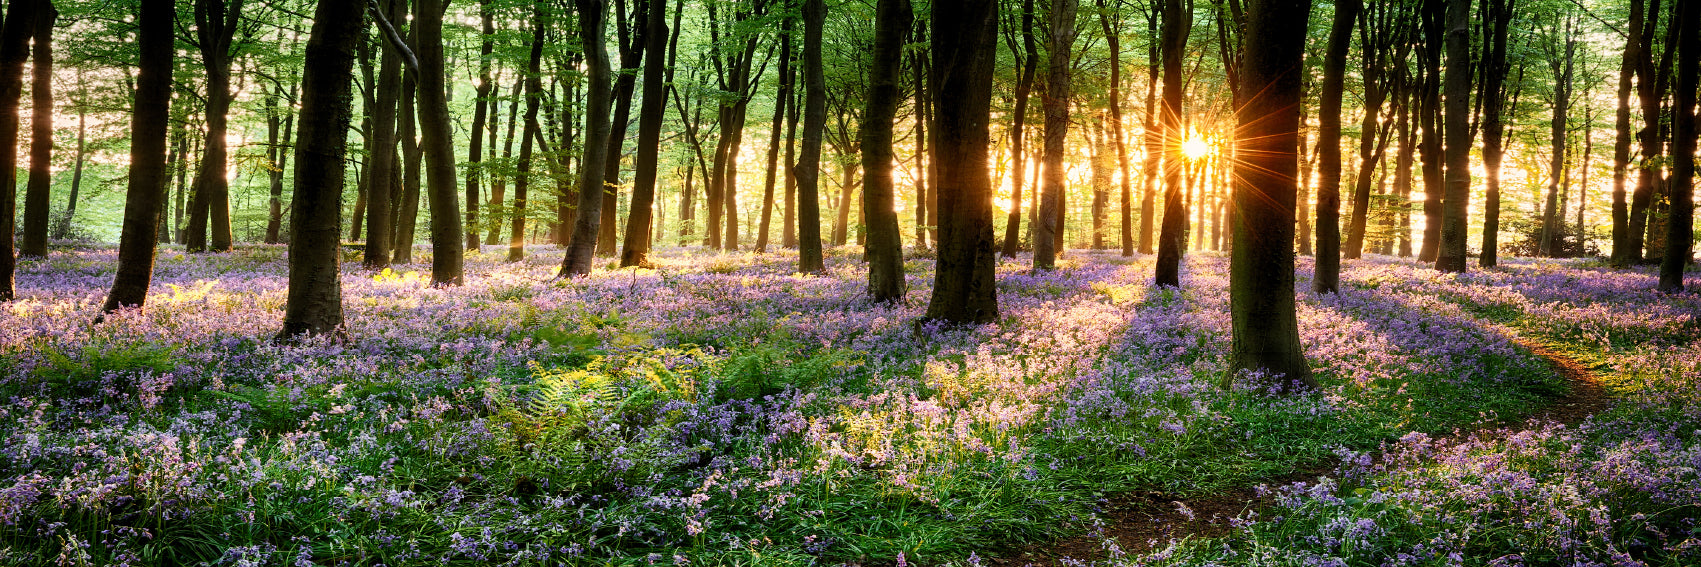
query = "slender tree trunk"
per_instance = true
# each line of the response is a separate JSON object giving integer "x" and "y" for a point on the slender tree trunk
{"x": 1303, "y": 200}
{"x": 314, "y": 304}
{"x": 1327, "y": 278}
{"x": 918, "y": 69}
{"x": 39, "y": 192}
{"x": 405, "y": 203}
{"x": 788, "y": 230}
{"x": 181, "y": 169}
{"x": 781, "y": 99}
{"x": 1172, "y": 242}
{"x": 1113, "y": 37}
{"x": 582, "y": 247}
{"x": 498, "y": 183}
{"x": 1018, "y": 157}
{"x": 1434, "y": 21}
{"x": 64, "y": 228}
{"x": 964, "y": 46}
{"x": 148, "y": 123}
{"x": 1455, "y": 222}
{"x": 481, "y": 114}
{"x": 381, "y": 156}
{"x": 1261, "y": 267}
{"x": 1048, "y": 236}
{"x": 1680, "y": 225}
{"x": 1154, "y": 138}
{"x": 528, "y": 133}
{"x": 209, "y": 222}
{"x": 280, "y": 130}
{"x": 631, "y": 39}
{"x": 1650, "y": 89}
{"x": 1493, "y": 101}
{"x": 810, "y": 259}
{"x": 885, "y": 245}
{"x": 637, "y": 245}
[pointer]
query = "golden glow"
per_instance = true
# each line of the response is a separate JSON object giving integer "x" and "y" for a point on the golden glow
{"x": 1195, "y": 148}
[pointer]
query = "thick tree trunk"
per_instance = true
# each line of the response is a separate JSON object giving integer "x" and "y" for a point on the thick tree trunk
{"x": 1454, "y": 221}
{"x": 148, "y": 123}
{"x": 314, "y": 305}
{"x": 637, "y": 245}
{"x": 810, "y": 258}
{"x": 631, "y": 39}
{"x": 885, "y": 245}
{"x": 1019, "y": 119}
{"x": 965, "y": 53}
{"x": 38, "y": 194}
{"x": 14, "y": 53}
{"x": 1048, "y": 236}
{"x": 1680, "y": 225}
{"x": 1261, "y": 268}
{"x": 1327, "y": 276}
{"x": 437, "y": 139}
{"x": 1178, "y": 22}
{"x": 581, "y": 248}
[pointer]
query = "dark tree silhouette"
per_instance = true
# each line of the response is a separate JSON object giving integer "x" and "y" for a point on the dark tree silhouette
{"x": 381, "y": 160}
{"x": 1048, "y": 230}
{"x": 39, "y": 190}
{"x": 808, "y": 169}
{"x": 1327, "y": 277}
{"x": 885, "y": 246}
{"x": 637, "y": 245}
{"x": 216, "y": 25}
{"x": 437, "y": 142}
{"x": 1261, "y": 268}
{"x": 1454, "y": 222}
{"x": 964, "y": 46}
{"x": 148, "y": 176}
{"x": 1680, "y": 225}
{"x": 581, "y": 248}
{"x": 315, "y": 298}
{"x": 1178, "y": 22}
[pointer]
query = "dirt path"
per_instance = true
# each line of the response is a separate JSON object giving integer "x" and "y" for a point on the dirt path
{"x": 1145, "y": 521}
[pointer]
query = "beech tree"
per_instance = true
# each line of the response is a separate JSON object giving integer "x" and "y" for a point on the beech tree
{"x": 15, "y": 34}
{"x": 1328, "y": 272}
{"x": 1680, "y": 226}
{"x": 885, "y": 245}
{"x": 1177, "y": 23}
{"x": 36, "y": 195}
{"x": 581, "y": 248}
{"x": 964, "y": 52}
{"x": 149, "y": 118}
{"x": 1261, "y": 267}
{"x": 1048, "y": 232}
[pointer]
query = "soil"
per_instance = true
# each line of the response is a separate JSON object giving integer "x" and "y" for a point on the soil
{"x": 1143, "y": 522}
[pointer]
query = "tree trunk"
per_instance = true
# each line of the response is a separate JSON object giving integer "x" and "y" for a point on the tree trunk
{"x": 1493, "y": 149}
{"x": 637, "y": 245}
{"x": 885, "y": 245}
{"x": 965, "y": 53}
{"x": 631, "y": 39}
{"x": 1178, "y": 21}
{"x": 209, "y": 221}
{"x": 1327, "y": 276}
{"x": 437, "y": 140}
{"x": 314, "y": 305}
{"x": 14, "y": 53}
{"x": 64, "y": 228}
{"x": 1261, "y": 267}
{"x": 1048, "y": 235}
{"x": 781, "y": 99}
{"x": 810, "y": 260}
{"x": 278, "y": 136}
{"x": 788, "y": 229}
{"x": 581, "y": 248}
{"x": 1030, "y": 62}
{"x": 1434, "y": 20}
{"x": 405, "y": 203}
{"x": 1112, "y": 35}
{"x": 1651, "y": 89}
{"x": 1552, "y": 219}
{"x": 1680, "y": 225}
{"x": 498, "y": 182}
{"x": 529, "y": 131}
{"x": 148, "y": 123}
{"x": 481, "y": 114}
{"x": 1621, "y": 146}
{"x": 38, "y": 194}
{"x": 381, "y": 156}
{"x": 1455, "y": 222}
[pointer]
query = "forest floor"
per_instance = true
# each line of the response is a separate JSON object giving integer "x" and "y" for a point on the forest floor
{"x": 724, "y": 410}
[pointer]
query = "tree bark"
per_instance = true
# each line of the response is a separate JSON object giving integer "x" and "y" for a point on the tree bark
{"x": 1178, "y": 22}
{"x": 1261, "y": 267}
{"x": 1327, "y": 275}
{"x": 209, "y": 220}
{"x": 148, "y": 123}
{"x": 1048, "y": 235}
{"x": 637, "y": 246}
{"x": 481, "y": 114}
{"x": 314, "y": 304}
{"x": 810, "y": 259}
{"x": 405, "y": 203}
{"x": 1113, "y": 37}
{"x": 381, "y": 156}
{"x": 1019, "y": 119}
{"x": 529, "y": 131}
{"x": 437, "y": 140}
{"x": 631, "y": 39}
{"x": 14, "y": 53}
{"x": 1494, "y": 129}
{"x": 1454, "y": 221}
{"x": 1434, "y": 21}
{"x": 1561, "y": 65}
{"x": 1680, "y": 225}
{"x": 38, "y": 194}
{"x": 581, "y": 248}
{"x": 781, "y": 101}
{"x": 1621, "y": 146}
{"x": 885, "y": 245}
{"x": 965, "y": 53}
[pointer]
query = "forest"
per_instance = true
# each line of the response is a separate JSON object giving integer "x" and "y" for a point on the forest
{"x": 1104, "y": 283}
